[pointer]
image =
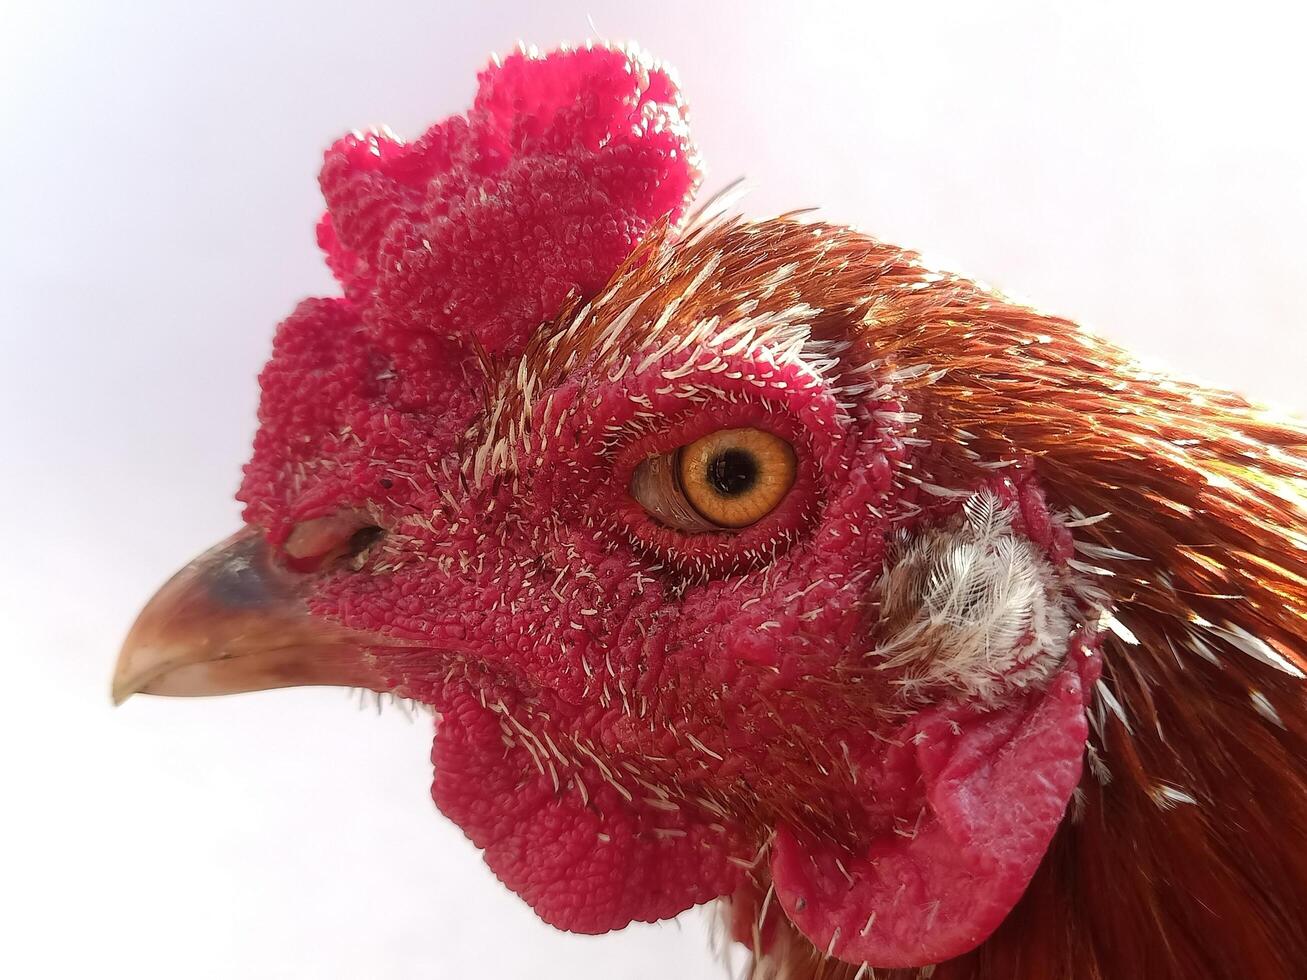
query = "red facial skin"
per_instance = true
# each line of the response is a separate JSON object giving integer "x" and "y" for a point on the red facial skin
{"x": 631, "y": 719}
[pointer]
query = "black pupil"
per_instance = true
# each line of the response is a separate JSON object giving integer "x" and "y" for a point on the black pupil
{"x": 732, "y": 472}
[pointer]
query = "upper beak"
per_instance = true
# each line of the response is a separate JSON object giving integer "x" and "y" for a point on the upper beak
{"x": 235, "y": 620}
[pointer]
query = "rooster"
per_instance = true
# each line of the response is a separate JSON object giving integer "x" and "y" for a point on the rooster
{"x": 755, "y": 561}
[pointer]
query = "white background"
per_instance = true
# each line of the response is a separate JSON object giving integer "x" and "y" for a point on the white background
{"x": 1143, "y": 171}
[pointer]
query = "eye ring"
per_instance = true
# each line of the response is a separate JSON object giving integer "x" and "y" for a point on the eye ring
{"x": 724, "y": 481}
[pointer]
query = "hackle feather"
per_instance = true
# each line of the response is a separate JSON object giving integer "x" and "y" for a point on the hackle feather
{"x": 1182, "y": 855}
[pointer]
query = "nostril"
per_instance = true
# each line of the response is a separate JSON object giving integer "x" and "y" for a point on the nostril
{"x": 319, "y": 541}
{"x": 363, "y": 539}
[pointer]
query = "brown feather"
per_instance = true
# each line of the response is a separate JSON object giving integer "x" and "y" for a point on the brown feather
{"x": 1189, "y": 861}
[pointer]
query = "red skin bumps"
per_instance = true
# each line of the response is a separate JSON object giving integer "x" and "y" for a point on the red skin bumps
{"x": 466, "y": 237}
{"x": 628, "y": 714}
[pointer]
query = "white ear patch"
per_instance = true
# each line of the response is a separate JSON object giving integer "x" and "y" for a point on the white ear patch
{"x": 971, "y": 606}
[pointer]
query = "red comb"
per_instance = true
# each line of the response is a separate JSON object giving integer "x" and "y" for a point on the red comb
{"x": 483, "y": 226}
{"x": 473, "y": 234}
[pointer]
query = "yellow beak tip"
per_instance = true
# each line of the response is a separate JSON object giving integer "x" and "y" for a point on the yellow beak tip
{"x": 123, "y": 686}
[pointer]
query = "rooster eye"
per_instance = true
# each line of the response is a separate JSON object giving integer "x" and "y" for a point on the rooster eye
{"x": 726, "y": 480}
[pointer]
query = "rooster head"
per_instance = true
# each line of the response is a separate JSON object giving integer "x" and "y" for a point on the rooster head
{"x": 728, "y": 555}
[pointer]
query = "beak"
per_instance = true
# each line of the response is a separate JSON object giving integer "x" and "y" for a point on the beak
{"x": 235, "y": 620}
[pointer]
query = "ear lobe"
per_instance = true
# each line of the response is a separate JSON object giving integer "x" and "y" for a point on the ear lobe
{"x": 975, "y": 801}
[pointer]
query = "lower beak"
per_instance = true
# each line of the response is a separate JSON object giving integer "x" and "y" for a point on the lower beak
{"x": 234, "y": 620}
